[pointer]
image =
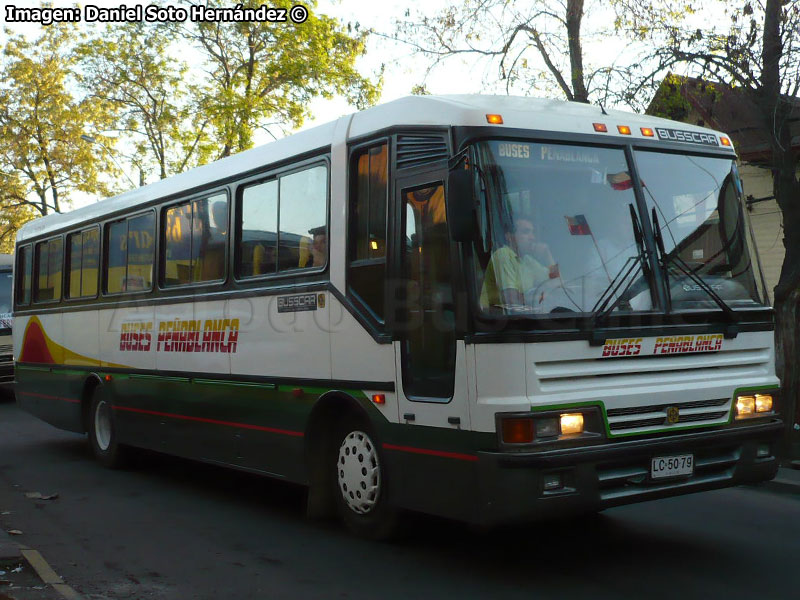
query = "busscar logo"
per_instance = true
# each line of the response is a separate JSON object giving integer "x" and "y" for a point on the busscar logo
{"x": 689, "y": 137}
{"x": 298, "y": 303}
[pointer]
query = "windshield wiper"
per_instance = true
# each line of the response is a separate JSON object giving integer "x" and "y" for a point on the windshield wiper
{"x": 664, "y": 259}
{"x": 627, "y": 272}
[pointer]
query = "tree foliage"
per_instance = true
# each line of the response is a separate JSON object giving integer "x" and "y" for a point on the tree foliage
{"x": 533, "y": 45}
{"x": 133, "y": 68}
{"x": 43, "y": 159}
{"x": 265, "y": 74}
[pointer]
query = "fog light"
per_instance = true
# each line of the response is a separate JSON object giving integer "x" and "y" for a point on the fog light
{"x": 763, "y": 403}
{"x": 546, "y": 428}
{"x": 745, "y": 406}
{"x": 552, "y": 481}
{"x": 763, "y": 451}
{"x": 571, "y": 423}
{"x": 518, "y": 431}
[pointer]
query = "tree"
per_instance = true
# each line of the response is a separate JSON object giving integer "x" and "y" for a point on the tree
{"x": 42, "y": 156}
{"x": 532, "y": 44}
{"x": 132, "y": 67}
{"x": 15, "y": 210}
{"x": 758, "y": 51}
{"x": 262, "y": 74}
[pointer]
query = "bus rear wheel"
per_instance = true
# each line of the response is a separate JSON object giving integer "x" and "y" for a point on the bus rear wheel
{"x": 361, "y": 492}
{"x": 103, "y": 434}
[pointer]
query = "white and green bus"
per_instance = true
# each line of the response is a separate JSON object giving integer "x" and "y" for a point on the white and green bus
{"x": 492, "y": 309}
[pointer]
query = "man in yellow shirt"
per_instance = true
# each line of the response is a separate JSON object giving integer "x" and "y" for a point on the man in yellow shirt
{"x": 513, "y": 270}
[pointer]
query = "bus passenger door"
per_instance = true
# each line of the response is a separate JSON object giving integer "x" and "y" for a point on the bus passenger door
{"x": 431, "y": 377}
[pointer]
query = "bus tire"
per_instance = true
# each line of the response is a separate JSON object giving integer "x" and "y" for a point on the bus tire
{"x": 103, "y": 433}
{"x": 361, "y": 484}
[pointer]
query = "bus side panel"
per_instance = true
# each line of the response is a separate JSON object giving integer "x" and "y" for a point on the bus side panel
{"x": 123, "y": 340}
{"x": 289, "y": 344}
{"x": 355, "y": 355}
{"x": 81, "y": 343}
{"x": 45, "y": 388}
{"x": 196, "y": 346}
{"x": 416, "y": 470}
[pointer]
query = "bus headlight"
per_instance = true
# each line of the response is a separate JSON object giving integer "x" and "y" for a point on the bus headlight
{"x": 751, "y": 405}
{"x": 745, "y": 406}
{"x": 544, "y": 428}
{"x": 571, "y": 423}
{"x": 763, "y": 403}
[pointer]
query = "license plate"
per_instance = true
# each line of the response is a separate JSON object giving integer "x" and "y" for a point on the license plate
{"x": 671, "y": 466}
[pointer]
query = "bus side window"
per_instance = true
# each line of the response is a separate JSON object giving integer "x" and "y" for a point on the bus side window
{"x": 48, "y": 270}
{"x": 209, "y": 238}
{"x": 303, "y": 238}
{"x": 74, "y": 250}
{"x": 258, "y": 230}
{"x": 90, "y": 262}
{"x": 367, "y": 237}
{"x": 141, "y": 252}
{"x": 24, "y": 278}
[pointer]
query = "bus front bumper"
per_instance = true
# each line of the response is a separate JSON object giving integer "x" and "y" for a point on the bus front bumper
{"x": 615, "y": 473}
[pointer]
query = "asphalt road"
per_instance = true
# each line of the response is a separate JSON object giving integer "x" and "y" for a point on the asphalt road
{"x": 174, "y": 529}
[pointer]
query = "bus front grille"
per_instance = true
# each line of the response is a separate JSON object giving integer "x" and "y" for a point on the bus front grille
{"x": 643, "y": 419}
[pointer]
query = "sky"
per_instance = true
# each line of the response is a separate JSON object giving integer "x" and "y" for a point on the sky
{"x": 403, "y": 69}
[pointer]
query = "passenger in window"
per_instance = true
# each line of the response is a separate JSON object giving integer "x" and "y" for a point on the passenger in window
{"x": 517, "y": 268}
{"x": 319, "y": 247}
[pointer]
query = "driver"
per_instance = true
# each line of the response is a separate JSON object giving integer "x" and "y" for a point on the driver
{"x": 513, "y": 270}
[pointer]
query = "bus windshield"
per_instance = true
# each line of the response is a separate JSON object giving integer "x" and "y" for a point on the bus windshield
{"x": 556, "y": 229}
{"x": 560, "y": 230}
{"x": 702, "y": 222}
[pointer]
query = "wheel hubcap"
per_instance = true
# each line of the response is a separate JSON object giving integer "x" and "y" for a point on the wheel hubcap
{"x": 359, "y": 472}
{"x": 102, "y": 425}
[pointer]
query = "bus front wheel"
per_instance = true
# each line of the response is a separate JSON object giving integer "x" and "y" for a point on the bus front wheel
{"x": 102, "y": 433}
{"x": 361, "y": 483}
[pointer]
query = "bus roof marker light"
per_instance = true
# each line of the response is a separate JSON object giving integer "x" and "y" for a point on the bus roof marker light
{"x": 494, "y": 119}
{"x": 724, "y": 141}
{"x": 600, "y": 127}
{"x": 647, "y": 132}
{"x": 624, "y": 129}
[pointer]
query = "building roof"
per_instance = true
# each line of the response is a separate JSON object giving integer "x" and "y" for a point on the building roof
{"x": 722, "y": 107}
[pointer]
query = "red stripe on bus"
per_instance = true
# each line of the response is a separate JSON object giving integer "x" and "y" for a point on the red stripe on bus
{"x": 212, "y": 421}
{"x": 46, "y": 397}
{"x": 455, "y": 455}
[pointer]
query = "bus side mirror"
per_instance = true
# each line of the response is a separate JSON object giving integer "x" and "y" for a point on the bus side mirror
{"x": 460, "y": 205}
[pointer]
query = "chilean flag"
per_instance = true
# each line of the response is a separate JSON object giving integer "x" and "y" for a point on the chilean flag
{"x": 620, "y": 181}
{"x": 578, "y": 225}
